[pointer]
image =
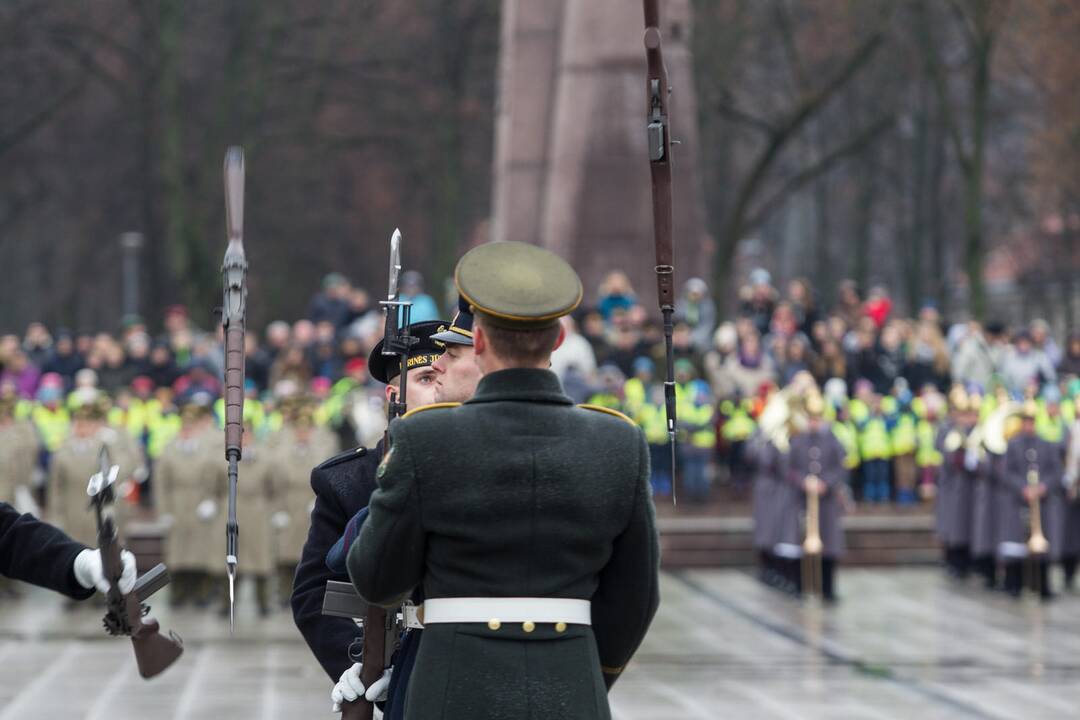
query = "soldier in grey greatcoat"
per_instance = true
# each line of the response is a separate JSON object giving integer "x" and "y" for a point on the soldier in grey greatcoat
{"x": 1034, "y": 468}
{"x": 960, "y": 466}
{"x": 1070, "y": 552}
{"x": 767, "y": 461}
{"x": 815, "y": 464}
{"x": 984, "y": 518}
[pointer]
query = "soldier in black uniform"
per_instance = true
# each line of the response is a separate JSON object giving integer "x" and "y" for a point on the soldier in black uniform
{"x": 534, "y": 541}
{"x": 342, "y": 485}
{"x": 38, "y": 553}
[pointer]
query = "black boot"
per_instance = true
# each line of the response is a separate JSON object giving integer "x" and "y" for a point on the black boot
{"x": 963, "y": 561}
{"x": 1013, "y": 578}
{"x": 828, "y": 580}
{"x": 949, "y": 559}
{"x": 1068, "y": 564}
{"x": 984, "y": 568}
{"x": 764, "y": 571}
{"x": 1044, "y": 581}
{"x": 793, "y": 584}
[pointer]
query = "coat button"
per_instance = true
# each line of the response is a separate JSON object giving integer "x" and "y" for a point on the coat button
{"x": 494, "y": 624}
{"x": 528, "y": 626}
{"x": 560, "y": 627}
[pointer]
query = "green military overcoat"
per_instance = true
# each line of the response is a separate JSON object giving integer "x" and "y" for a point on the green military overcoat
{"x": 516, "y": 493}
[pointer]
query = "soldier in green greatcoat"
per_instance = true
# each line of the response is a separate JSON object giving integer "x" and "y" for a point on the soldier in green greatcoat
{"x": 526, "y": 521}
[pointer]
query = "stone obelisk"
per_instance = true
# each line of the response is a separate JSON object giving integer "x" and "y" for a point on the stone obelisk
{"x": 571, "y": 166}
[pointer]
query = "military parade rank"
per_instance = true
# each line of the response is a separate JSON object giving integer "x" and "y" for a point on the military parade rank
{"x": 521, "y": 517}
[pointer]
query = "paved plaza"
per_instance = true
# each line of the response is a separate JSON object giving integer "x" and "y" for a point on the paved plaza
{"x": 903, "y": 644}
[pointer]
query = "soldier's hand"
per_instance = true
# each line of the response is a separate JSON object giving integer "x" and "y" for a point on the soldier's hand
{"x": 90, "y": 572}
{"x": 349, "y": 688}
{"x": 206, "y": 510}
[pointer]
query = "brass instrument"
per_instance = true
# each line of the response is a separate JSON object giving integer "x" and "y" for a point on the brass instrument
{"x": 1037, "y": 543}
{"x": 1000, "y": 426}
{"x": 774, "y": 419}
{"x": 812, "y": 546}
{"x": 783, "y": 415}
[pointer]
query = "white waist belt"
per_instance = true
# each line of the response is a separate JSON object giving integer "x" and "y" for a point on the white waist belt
{"x": 497, "y": 610}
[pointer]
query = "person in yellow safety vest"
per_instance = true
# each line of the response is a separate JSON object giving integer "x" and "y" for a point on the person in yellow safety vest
{"x": 927, "y": 457}
{"x": 1049, "y": 424}
{"x": 337, "y": 409}
{"x": 696, "y": 432}
{"x": 875, "y": 448}
{"x": 900, "y": 419}
{"x": 50, "y": 416}
{"x": 635, "y": 390}
{"x": 737, "y": 429}
{"x": 611, "y": 385}
{"x": 652, "y": 417}
{"x": 845, "y": 433}
{"x": 162, "y": 427}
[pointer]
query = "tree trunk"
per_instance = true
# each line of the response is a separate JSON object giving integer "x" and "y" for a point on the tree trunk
{"x": 973, "y": 190}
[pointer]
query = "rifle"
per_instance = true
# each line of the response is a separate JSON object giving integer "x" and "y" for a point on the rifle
{"x": 234, "y": 307}
{"x": 125, "y": 613}
{"x": 396, "y": 342}
{"x": 659, "y": 136}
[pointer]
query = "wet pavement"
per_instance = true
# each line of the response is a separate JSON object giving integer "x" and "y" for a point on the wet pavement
{"x": 903, "y": 643}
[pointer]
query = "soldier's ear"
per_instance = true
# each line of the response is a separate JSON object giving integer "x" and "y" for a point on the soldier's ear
{"x": 480, "y": 343}
{"x": 562, "y": 337}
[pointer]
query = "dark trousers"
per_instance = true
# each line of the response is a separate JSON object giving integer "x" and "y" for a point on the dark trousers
{"x": 660, "y": 469}
{"x": 958, "y": 560}
{"x": 1068, "y": 564}
{"x": 695, "y": 463}
{"x": 986, "y": 568}
{"x": 876, "y": 481}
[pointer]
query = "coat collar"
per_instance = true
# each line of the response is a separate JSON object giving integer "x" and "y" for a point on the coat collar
{"x": 521, "y": 384}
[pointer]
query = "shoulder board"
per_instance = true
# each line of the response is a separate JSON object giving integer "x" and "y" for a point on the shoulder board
{"x": 433, "y": 406}
{"x": 346, "y": 456}
{"x": 609, "y": 411}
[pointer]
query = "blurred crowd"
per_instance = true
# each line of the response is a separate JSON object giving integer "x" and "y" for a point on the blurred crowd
{"x": 884, "y": 377}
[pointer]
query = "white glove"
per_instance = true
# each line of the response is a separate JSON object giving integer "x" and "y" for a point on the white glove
{"x": 90, "y": 572}
{"x": 280, "y": 520}
{"x": 349, "y": 687}
{"x": 206, "y": 510}
{"x": 971, "y": 460}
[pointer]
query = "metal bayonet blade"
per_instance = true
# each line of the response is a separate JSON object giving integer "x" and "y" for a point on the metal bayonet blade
{"x": 395, "y": 264}
{"x": 232, "y": 599}
{"x": 671, "y": 442}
